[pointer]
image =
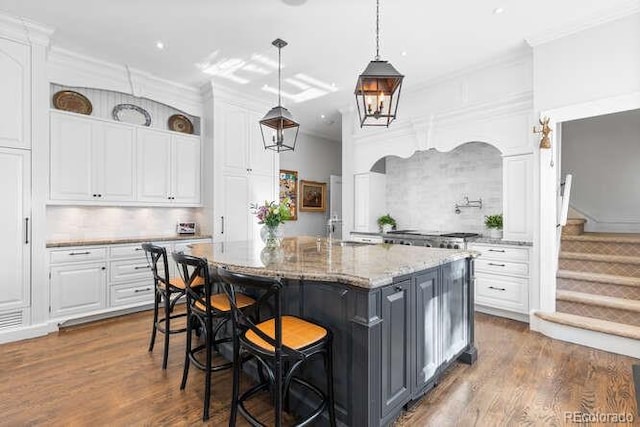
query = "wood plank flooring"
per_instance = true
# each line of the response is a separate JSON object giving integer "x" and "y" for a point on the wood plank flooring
{"x": 102, "y": 374}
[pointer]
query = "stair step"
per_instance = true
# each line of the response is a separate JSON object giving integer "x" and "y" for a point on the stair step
{"x": 599, "y": 288}
{"x": 624, "y": 246}
{"x": 576, "y": 221}
{"x": 605, "y": 237}
{"x": 592, "y": 324}
{"x": 573, "y": 227}
{"x": 600, "y": 278}
{"x": 583, "y": 256}
{"x": 599, "y": 300}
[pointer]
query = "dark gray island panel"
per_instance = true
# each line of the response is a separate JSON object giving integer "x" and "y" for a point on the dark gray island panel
{"x": 425, "y": 362}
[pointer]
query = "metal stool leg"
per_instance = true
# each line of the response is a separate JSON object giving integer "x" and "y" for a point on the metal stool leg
{"x": 328, "y": 358}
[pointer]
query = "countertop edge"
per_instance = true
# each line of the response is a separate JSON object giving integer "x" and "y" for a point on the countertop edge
{"x": 124, "y": 240}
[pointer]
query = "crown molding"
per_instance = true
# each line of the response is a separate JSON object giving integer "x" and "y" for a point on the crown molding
{"x": 24, "y": 30}
{"x": 70, "y": 68}
{"x": 607, "y": 15}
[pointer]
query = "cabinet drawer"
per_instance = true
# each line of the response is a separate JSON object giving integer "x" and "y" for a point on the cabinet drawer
{"x": 129, "y": 251}
{"x": 502, "y": 267}
{"x": 509, "y": 293}
{"x": 131, "y": 293}
{"x": 77, "y": 255}
{"x": 507, "y": 253}
{"x": 129, "y": 270}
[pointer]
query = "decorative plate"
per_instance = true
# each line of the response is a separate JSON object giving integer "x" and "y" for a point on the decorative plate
{"x": 75, "y": 102}
{"x": 180, "y": 123}
{"x": 130, "y": 113}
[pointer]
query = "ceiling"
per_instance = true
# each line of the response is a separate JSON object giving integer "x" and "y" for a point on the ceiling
{"x": 330, "y": 41}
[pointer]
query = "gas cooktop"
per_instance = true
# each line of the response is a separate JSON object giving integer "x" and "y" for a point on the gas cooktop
{"x": 434, "y": 234}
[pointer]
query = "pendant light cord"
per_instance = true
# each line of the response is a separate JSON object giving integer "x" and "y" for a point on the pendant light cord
{"x": 279, "y": 75}
{"x": 377, "y": 30}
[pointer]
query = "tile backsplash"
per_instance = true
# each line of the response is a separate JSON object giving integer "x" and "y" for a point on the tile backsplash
{"x": 421, "y": 191}
{"x": 82, "y": 222}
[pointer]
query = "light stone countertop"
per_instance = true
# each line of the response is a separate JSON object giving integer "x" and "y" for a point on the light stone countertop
{"x": 309, "y": 258}
{"x": 123, "y": 240}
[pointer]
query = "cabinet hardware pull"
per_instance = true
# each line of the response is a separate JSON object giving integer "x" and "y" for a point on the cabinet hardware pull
{"x": 103, "y": 268}
{"x": 497, "y": 265}
{"x": 99, "y": 195}
{"x": 95, "y": 195}
{"x": 142, "y": 290}
{"x": 80, "y": 253}
{"x": 497, "y": 289}
{"x": 26, "y": 231}
{"x": 138, "y": 249}
{"x": 398, "y": 288}
{"x": 140, "y": 267}
{"x": 222, "y": 230}
{"x": 497, "y": 250}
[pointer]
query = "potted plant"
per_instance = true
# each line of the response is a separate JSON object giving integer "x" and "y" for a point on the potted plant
{"x": 386, "y": 223}
{"x": 494, "y": 225}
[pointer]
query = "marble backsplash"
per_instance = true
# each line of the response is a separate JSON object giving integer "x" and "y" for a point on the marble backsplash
{"x": 85, "y": 222}
{"x": 421, "y": 191}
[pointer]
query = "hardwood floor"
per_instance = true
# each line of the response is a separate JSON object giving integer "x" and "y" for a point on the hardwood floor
{"x": 102, "y": 374}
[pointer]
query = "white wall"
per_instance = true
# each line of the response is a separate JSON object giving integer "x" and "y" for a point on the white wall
{"x": 315, "y": 159}
{"x": 87, "y": 222}
{"x": 596, "y": 63}
{"x": 421, "y": 191}
{"x": 602, "y": 154}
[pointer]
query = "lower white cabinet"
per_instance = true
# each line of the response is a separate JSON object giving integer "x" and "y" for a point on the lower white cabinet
{"x": 89, "y": 280}
{"x": 502, "y": 280}
{"x": 78, "y": 288}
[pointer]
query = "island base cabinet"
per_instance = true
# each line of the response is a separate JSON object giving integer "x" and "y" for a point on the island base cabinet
{"x": 454, "y": 311}
{"x": 426, "y": 335}
{"x": 77, "y": 288}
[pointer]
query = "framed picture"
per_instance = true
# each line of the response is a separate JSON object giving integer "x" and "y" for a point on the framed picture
{"x": 313, "y": 196}
{"x": 289, "y": 188}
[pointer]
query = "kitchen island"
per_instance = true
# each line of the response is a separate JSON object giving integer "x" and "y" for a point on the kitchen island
{"x": 400, "y": 315}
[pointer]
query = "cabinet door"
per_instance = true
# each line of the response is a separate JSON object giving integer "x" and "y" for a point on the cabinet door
{"x": 395, "y": 349}
{"x": 261, "y": 161}
{"x": 426, "y": 329}
{"x": 234, "y": 140}
{"x": 15, "y": 102}
{"x": 185, "y": 183}
{"x": 15, "y": 181}
{"x": 154, "y": 166}
{"x": 261, "y": 188}
{"x": 454, "y": 310}
{"x": 236, "y": 213}
{"x": 77, "y": 288}
{"x": 71, "y": 158}
{"x": 361, "y": 198}
{"x": 114, "y": 162}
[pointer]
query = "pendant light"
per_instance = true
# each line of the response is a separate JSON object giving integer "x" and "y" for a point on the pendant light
{"x": 378, "y": 88}
{"x": 279, "y": 129}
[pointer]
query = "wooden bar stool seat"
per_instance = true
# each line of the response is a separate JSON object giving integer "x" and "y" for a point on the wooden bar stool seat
{"x": 220, "y": 302}
{"x": 178, "y": 283}
{"x": 297, "y": 333}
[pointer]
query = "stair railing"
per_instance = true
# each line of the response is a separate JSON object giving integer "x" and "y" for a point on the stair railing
{"x": 563, "y": 211}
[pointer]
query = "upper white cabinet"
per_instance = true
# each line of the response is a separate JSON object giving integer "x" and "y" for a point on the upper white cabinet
{"x": 517, "y": 201}
{"x": 93, "y": 160}
{"x": 369, "y": 200}
{"x": 15, "y": 87}
{"x": 244, "y": 172}
{"x": 168, "y": 167}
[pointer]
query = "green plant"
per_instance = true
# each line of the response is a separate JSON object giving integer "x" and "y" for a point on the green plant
{"x": 271, "y": 214}
{"x": 493, "y": 221}
{"x": 386, "y": 220}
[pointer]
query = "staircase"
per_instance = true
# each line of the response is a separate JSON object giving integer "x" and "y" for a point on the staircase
{"x": 598, "y": 282}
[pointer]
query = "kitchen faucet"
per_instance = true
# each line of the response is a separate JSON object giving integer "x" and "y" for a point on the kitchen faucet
{"x": 331, "y": 227}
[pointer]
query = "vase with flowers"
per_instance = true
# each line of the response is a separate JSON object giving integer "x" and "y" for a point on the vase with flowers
{"x": 271, "y": 215}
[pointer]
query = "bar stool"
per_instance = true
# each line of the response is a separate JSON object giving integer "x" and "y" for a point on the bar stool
{"x": 168, "y": 290}
{"x": 281, "y": 345}
{"x": 203, "y": 308}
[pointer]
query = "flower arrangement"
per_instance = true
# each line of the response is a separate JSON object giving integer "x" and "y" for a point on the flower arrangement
{"x": 271, "y": 214}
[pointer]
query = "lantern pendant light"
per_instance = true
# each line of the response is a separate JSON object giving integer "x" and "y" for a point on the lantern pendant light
{"x": 279, "y": 129}
{"x": 378, "y": 88}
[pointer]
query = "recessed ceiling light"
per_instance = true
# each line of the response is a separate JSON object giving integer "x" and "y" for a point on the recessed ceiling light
{"x": 159, "y": 45}
{"x": 498, "y": 11}
{"x": 404, "y": 53}
{"x": 322, "y": 116}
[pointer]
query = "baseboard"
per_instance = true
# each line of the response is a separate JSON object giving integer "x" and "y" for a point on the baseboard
{"x": 520, "y": 317}
{"x": 587, "y": 338}
{"x": 78, "y": 320}
{"x": 26, "y": 332}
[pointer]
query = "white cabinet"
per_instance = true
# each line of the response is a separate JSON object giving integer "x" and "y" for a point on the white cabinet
{"x": 15, "y": 251}
{"x": 369, "y": 199}
{"x": 244, "y": 172}
{"x": 77, "y": 288}
{"x": 91, "y": 159}
{"x": 517, "y": 178}
{"x": 502, "y": 280}
{"x": 168, "y": 167}
{"x": 15, "y": 87}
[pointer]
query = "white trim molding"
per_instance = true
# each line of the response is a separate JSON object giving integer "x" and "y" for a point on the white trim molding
{"x": 24, "y": 30}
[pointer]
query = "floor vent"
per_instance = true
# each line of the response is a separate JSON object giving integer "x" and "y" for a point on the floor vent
{"x": 10, "y": 319}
